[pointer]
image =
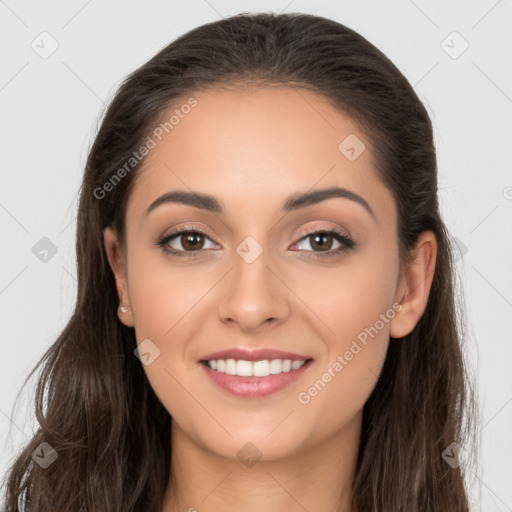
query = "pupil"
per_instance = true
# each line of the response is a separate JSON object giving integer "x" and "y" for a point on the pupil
{"x": 322, "y": 245}
{"x": 189, "y": 240}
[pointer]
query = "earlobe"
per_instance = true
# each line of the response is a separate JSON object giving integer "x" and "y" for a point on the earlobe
{"x": 115, "y": 259}
{"x": 415, "y": 284}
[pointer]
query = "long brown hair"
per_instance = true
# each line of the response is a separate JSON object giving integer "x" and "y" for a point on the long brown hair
{"x": 94, "y": 404}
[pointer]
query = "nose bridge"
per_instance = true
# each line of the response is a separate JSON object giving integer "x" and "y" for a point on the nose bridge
{"x": 254, "y": 294}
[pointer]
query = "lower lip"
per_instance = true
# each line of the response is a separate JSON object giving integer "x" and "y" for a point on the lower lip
{"x": 248, "y": 387}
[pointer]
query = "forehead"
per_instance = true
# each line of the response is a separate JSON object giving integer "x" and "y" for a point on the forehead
{"x": 253, "y": 146}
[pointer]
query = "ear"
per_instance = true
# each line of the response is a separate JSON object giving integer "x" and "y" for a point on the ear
{"x": 118, "y": 266}
{"x": 414, "y": 286}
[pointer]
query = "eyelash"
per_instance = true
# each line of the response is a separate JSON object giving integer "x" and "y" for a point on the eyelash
{"x": 347, "y": 243}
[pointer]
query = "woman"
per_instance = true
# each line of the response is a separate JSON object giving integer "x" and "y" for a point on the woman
{"x": 265, "y": 316}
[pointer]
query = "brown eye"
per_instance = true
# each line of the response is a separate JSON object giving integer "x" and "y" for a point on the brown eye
{"x": 192, "y": 241}
{"x": 187, "y": 242}
{"x": 321, "y": 241}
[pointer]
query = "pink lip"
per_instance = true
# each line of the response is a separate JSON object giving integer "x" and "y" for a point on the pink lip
{"x": 254, "y": 387}
{"x": 253, "y": 355}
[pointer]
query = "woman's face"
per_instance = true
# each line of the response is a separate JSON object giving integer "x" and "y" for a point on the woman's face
{"x": 256, "y": 279}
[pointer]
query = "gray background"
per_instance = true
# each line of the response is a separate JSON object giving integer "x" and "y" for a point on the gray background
{"x": 50, "y": 106}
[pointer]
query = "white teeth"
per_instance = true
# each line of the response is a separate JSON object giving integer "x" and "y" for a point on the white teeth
{"x": 244, "y": 368}
{"x": 230, "y": 367}
{"x": 276, "y": 365}
{"x": 262, "y": 368}
{"x": 297, "y": 364}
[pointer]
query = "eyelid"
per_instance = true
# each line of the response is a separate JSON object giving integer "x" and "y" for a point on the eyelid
{"x": 180, "y": 228}
{"x": 341, "y": 235}
{"x": 176, "y": 232}
{"x": 329, "y": 227}
{"x": 304, "y": 232}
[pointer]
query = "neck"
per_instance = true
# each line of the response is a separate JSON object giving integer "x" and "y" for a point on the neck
{"x": 317, "y": 478}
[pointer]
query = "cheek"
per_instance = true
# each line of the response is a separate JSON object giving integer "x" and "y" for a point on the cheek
{"x": 163, "y": 295}
{"x": 166, "y": 301}
{"x": 352, "y": 309}
{"x": 160, "y": 303}
{"x": 349, "y": 298}
{"x": 336, "y": 393}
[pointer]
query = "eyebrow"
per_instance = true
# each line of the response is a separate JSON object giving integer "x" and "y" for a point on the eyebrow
{"x": 292, "y": 203}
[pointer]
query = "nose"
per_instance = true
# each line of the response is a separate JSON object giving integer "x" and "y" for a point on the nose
{"x": 254, "y": 295}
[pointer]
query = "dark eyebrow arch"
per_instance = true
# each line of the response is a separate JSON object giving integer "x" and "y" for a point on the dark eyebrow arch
{"x": 301, "y": 200}
{"x": 293, "y": 202}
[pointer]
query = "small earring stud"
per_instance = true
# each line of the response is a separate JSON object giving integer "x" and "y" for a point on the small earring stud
{"x": 123, "y": 309}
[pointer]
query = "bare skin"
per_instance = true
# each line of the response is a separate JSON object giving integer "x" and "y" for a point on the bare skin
{"x": 252, "y": 148}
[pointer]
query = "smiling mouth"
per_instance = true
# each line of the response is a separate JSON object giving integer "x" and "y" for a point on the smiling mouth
{"x": 255, "y": 379}
{"x": 258, "y": 369}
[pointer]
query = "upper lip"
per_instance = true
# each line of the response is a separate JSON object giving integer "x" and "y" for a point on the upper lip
{"x": 253, "y": 355}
